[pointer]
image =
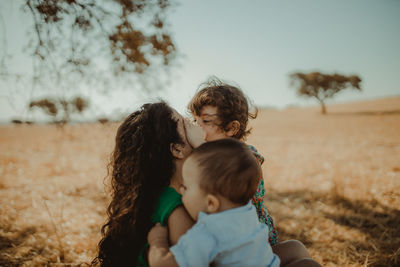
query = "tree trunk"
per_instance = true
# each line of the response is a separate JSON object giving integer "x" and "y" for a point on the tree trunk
{"x": 323, "y": 108}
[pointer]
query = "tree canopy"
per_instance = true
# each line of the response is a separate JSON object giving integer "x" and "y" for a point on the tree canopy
{"x": 76, "y": 42}
{"x": 322, "y": 86}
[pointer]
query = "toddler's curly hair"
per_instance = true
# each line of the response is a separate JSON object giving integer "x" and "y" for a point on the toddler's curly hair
{"x": 230, "y": 101}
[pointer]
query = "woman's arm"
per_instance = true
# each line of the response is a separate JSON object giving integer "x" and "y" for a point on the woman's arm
{"x": 178, "y": 223}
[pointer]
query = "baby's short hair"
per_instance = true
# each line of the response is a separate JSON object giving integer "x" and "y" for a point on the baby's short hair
{"x": 228, "y": 168}
{"x": 231, "y": 102}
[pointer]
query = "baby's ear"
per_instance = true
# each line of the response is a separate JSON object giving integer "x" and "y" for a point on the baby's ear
{"x": 212, "y": 204}
{"x": 177, "y": 150}
{"x": 233, "y": 128}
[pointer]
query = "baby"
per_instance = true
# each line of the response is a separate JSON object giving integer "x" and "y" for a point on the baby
{"x": 219, "y": 180}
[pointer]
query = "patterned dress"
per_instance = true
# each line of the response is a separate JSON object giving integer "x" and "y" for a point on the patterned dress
{"x": 258, "y": 202}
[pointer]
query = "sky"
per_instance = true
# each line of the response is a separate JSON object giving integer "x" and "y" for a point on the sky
{"x": 256, "y": 45}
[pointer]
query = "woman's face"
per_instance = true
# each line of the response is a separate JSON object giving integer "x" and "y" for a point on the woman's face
{"x": 187, "y": 148}
{"x": 209, "y": 121}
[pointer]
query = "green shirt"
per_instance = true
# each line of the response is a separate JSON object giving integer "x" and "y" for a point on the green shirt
{"x": 167, "y": 202}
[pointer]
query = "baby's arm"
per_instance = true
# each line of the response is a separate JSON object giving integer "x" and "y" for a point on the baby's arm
{"x": 159, "y": 237}
{"x": 196, "y": 248}
{"x": 159, "y": 254}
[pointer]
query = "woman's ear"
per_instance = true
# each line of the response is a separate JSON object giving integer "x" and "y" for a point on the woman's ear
{"x": 177, "y": 150}
{"x": 233, "y": 128}
{"x": 212, "y": 203}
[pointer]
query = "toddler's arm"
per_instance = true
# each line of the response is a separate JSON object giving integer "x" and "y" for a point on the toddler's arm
{"x": 159, "y": 254}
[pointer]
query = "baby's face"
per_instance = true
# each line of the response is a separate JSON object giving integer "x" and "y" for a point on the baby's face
{"x": 193, "y": 197}
{"x": 209, "y": 121}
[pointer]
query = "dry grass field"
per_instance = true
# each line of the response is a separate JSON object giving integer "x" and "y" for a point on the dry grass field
{"x": 332, "y": 182}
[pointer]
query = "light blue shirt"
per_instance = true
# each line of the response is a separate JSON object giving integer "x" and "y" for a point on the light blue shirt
{"x": 233, "y": 237}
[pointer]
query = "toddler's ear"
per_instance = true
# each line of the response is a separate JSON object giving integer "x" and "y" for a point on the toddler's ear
{"x": 212, "y": 204}
{"x": 177, "y": 150}
{"x": 233, "y": 128}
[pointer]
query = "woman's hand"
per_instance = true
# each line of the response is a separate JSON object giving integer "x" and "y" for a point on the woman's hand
{"x": 194, "y": 133}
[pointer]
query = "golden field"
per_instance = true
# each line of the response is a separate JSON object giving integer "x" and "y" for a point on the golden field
{"x": 332, "y": 182}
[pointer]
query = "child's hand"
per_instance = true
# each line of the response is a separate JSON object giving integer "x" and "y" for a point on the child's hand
{"x": 158, "y": 234}
{"x": 159, "y": 254}
{"x": 194, "y": 133}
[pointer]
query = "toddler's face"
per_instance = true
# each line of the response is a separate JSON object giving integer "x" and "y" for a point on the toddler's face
{"x": 193, "y": 197}
{"x": 209, "y": 121}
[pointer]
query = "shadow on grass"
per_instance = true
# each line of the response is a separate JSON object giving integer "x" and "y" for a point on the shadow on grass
{"x": 9, "y": 243}
{"x": 378, "y": 224}
{"x": 381, "y": 224}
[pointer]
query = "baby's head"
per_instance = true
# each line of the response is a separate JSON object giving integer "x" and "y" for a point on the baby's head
{"x": 219, "y": 175}
{"x": 222, "y": 110}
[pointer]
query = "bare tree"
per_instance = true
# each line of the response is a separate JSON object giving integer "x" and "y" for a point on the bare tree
{"x": 96, "y": 43}
{"x": 322, "y": 86}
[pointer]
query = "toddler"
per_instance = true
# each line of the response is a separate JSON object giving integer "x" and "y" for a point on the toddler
{"x": 219, "y": 180}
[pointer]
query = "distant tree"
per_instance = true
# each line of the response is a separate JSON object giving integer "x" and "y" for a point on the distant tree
{"x": 16, "y": 121}
{"x": 322, "y": 86}
{"x": 88, "y": 43}
{"x": 53, "y": 107}
{"x": 103, "y": 120}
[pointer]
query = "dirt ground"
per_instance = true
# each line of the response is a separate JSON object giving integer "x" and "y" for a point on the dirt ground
{"x": 332, "y": 182}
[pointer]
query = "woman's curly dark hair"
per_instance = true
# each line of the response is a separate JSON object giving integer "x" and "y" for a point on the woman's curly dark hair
{"x": 141, "y": 166}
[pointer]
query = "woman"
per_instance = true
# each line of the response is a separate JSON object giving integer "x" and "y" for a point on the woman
{"x": 145, "y": 170}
